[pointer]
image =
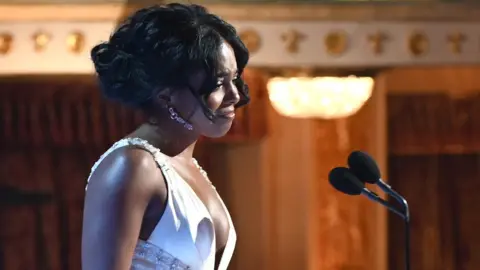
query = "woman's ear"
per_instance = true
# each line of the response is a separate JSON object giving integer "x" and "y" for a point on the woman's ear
{"x": 163, "y": 97}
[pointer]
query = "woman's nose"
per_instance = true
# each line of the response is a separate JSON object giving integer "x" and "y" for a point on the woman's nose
{"x": 234, "y": 95}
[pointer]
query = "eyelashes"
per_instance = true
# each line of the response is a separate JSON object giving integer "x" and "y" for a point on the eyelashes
{"x": 220, "y": 82}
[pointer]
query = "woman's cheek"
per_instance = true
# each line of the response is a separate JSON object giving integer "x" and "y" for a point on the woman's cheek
{"x": 215, "y": 100}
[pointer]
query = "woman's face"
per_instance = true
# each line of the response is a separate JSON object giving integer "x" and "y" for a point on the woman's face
{"x": 221, "y": 101}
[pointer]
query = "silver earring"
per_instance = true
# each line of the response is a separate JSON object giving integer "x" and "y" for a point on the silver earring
{"x": 174, "y": 115}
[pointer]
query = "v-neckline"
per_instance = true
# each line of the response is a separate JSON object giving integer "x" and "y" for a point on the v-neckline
{"x": 231, "y": 229}
{"x": 205, "y": 208}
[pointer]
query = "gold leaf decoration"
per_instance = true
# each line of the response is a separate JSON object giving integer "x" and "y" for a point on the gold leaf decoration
{"x": 455, "y": 42}
{"x": 41, "y": 41}
{"x": 377, "y": 41}
{"x": 418, "y": 44}
{"x": 76, "y": 42}
{"x": 336, "y": 43}
{"x": 6, "y": 42}
{"x": 252, "y": 40}
{"x": 292, "y": 39}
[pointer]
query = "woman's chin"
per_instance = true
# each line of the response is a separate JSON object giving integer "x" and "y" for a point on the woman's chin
{"x": 217, "y": 131}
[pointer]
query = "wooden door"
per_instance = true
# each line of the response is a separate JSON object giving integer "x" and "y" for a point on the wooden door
{"x": 434, "y": 162}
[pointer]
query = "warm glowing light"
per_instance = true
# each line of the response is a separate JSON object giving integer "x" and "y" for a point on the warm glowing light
{"x": 320, "y": 97}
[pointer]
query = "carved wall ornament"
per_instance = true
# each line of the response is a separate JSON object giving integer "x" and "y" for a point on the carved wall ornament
{"x": 6, "y": 42}
{"x": 377, "y": 42}
{"x": 455, "y": 42}
{"x": 336, "y": 43}
{"x": 292, "y": 39}
{"x": 76, "y": 42}
{"x": 417, "y": 44}
{"x": 252, "y": 40}
{"x": 40, "y": 41}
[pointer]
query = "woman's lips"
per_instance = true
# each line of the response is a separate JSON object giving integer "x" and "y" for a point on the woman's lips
{"x": 227, "y": 113}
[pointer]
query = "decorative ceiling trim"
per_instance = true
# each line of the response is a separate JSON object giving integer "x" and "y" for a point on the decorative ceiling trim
{"x": 74, "y": 13}
{"x": 63, "y": 46}
{"x": 431, "y": 11}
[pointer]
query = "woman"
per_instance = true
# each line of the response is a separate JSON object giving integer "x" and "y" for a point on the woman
{"x": 149, "y": 205}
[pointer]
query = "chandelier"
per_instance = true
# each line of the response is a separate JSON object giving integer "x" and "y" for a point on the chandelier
{"x": 319, "y": 97}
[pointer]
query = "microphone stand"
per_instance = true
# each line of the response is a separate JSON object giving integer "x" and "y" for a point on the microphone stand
{"x": 407, "y": 236}
{"x": 406, "y": 217}
{"x": 374, "y": 197}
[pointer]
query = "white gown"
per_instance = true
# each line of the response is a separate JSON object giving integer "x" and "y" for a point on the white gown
{"x": 184, "y": 238}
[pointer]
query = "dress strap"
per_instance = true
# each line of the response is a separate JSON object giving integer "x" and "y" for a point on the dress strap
{"x": 159, "y": 158}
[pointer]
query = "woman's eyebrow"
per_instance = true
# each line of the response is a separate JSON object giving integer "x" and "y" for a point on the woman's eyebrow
{"x": 226, "y": 73}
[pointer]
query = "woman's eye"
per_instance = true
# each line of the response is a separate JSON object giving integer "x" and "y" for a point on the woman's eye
{"x": 236, "y": 80}
{"x": 221, "y": 82}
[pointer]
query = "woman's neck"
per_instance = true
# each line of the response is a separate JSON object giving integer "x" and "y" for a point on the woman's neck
{"x": 171, "y": 138}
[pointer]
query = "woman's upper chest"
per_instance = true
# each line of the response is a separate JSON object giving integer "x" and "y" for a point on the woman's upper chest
{"x": 207, "y": 194}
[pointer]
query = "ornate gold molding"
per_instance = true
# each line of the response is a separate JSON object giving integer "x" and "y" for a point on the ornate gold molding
{"x": 456, "y": 41}
{"x": 252, "y": 39}
{"x": 41, "y": 39}
{"x": 430, "y": 11}
{"x": 377, "y": 42}
{"x": 6, "y": 40}
{"x": 292, "y": 39}
{"x": 76, "y": 42}
{"x": 336, "y": 43}
{"x": 418, "y": 44}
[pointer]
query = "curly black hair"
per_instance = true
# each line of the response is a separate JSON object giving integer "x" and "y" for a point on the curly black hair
{"x": 160, "y": 46}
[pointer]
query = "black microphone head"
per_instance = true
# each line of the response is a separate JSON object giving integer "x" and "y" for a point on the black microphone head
{"x": 364, "y": 167}
{"x": 343, "y": 180}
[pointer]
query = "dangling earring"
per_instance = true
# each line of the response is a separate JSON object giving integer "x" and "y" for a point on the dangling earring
{"x": 174, "y": 115}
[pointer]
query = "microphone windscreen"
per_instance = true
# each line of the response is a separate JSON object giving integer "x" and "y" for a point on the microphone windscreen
{"x": 343, "y": 180}
{"x": 364, "y": 167}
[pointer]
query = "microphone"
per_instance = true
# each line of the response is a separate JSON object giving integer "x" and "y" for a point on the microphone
{"x": 343, "y": 180}
{"x": 366, "y": 169}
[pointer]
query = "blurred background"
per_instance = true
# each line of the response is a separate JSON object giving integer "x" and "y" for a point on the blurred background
{"x": 400, "y": 80}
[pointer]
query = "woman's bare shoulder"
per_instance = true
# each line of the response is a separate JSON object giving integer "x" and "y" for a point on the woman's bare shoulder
{"x": 128, "y": 168}
{"x": 118, "y": 194}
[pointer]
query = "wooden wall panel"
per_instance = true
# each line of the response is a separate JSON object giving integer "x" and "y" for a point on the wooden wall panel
{"x": 433, "y": 123}
{"x": 442, "y": 192}
{"x": 434, "y": 158}
{"x": 351, "y": 230}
